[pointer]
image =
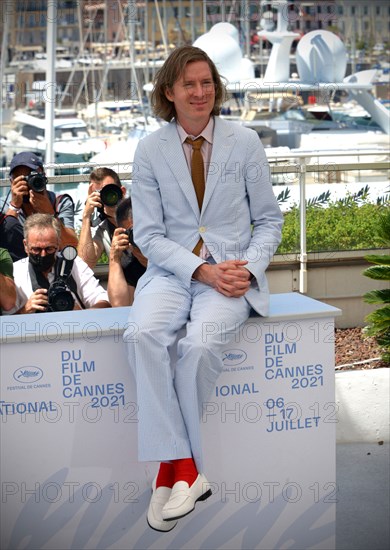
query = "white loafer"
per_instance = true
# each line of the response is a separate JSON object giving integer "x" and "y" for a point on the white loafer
{"x": 183, "y": 498}
{"x": 160, "y": 497}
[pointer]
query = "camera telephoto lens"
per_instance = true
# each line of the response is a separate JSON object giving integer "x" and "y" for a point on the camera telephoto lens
{"x": 64, "y": 301}
{"x": 59, "y": 297}
{"x": 37, "y": 181}
{"x": 111, "y": 194}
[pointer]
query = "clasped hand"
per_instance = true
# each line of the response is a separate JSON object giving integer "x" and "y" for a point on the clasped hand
{"x": 230, "y": 278}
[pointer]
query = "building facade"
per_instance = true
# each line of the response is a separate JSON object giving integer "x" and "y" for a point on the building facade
{"x": 365, "y": 23}
{"x": 88, "y": 23}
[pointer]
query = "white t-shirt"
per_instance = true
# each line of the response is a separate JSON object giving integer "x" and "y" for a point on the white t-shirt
{"x": 101, "y": 235}
{"x": 88, "y": 287}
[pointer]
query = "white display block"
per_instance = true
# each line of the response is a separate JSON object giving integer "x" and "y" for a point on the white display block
{"x": 69, "y": 471}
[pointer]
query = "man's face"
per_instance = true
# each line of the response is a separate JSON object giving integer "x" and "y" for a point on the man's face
{"x": 41, "y": 242}
{"x": 127, "y": 223}
{"x": 193, "y": 94}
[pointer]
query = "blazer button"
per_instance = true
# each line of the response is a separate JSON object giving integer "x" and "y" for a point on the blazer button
{"x": 202, "y": 229}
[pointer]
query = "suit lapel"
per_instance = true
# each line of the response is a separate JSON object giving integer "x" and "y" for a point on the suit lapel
{"x": 172, "y": 150}
{"x": 223, "y": 143}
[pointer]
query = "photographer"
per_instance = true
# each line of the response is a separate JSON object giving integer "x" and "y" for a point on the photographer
{"x": 7, "y": 285}
{"x": 127, "y": 263}
{"x": 11, "y": 237}
{"x": 99, "y": 215}
{"x": 29, "y": 195}
{"x": 34, "y": 277}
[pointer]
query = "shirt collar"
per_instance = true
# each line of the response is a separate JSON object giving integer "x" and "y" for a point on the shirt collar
{"x": 207, "y": 132}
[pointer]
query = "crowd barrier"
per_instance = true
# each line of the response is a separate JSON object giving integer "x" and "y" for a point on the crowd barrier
{"x": 68, "y": 411}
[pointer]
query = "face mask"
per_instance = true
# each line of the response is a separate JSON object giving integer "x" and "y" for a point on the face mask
{"x": 42, "y": 263}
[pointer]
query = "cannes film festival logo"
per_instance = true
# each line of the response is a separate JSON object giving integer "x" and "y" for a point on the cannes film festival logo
{"x": 233, "y": 357}
{"x": 28, "y": 374}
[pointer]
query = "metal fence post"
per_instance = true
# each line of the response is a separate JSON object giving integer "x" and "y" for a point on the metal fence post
{"x": 302, "y": 223}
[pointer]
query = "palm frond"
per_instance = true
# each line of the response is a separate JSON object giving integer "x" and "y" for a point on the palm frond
{"x": 379, "y": 259}
{"x": 378, "y": 272}
{"x": 377, "y": 296}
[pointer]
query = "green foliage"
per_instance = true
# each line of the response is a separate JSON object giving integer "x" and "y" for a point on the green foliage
{"x": 360, "y": 43}
{"x": 378, "y": 259}
{"x": 379, "y": 320}
{"x": 283, "y": 195}
{"x": 320, "y": 200}
{"x": 350, "y": 223}
{"x": 103, "y": 259}
{"x": 78, "y": 208}
{"x": 342, "y": 225}
{"x": 378, "y": 272}
{"x": 384, "y": 228}
{"x": 360, "y": 197}
{"x": 378, "y": 296}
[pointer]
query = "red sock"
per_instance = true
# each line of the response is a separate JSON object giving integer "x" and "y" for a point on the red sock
{"x": 165, "y": 476}
{"x": 185, "y": 470}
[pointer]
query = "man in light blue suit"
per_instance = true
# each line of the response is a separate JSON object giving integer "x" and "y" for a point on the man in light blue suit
{"x": 207, "y": 258}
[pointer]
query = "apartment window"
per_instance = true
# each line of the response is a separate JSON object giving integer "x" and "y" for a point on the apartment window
{"x": 378, "y": 10}
{"x": 340, "y": 10}
{"x": 365, "y": 10}
{"x": 70, "y": 19}
{"x": 307, "y": 10}
{"x": 353, "y": 10}
{"x": 32, "y": 20}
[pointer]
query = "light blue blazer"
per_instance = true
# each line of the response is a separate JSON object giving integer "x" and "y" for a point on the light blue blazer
{"x": 240, "y": 217}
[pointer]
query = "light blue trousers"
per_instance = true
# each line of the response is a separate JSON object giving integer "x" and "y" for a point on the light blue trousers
{"x": 171, "y": 392}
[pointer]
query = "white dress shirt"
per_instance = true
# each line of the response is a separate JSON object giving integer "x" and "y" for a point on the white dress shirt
{"x": 88, "y": 287}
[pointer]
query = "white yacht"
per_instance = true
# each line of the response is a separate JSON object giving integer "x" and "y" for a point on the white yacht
{"x": 72, "y": 141}
{"x": 321, "y": 73}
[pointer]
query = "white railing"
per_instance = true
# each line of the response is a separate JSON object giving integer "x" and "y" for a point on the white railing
{"x": 303, "y": 170}
{"x": 288, "y": 168}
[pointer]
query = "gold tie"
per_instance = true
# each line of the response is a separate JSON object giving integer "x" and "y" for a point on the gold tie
{"x": 197, "y": 174}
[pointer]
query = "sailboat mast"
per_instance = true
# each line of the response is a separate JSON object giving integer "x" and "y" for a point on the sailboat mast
{"x": 4, "y": 54}
{"x": 4, "y": 50}
{"x": 52, "y": 14}
{"x": 132, "y": 10}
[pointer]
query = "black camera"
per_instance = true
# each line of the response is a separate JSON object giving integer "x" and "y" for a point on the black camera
{"x": 129, "y": 232}
{"x": 59, "y": 296}
{"x": 111, "y": 194}
{"x": 37, "y": 181}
